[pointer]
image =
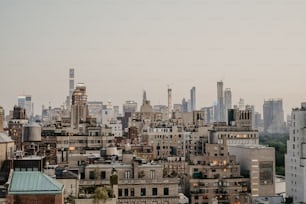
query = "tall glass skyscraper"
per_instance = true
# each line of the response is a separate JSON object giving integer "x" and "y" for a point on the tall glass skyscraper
{"x": 193, "y": 98}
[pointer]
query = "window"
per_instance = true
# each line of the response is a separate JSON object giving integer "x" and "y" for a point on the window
{"x": 126, "y": 192}
{"x": 92, "y": 175}
{"x": 127, "y": 174}
{"x": 132, "y": 192}
{"x": 142, "y": 192}
{"x": 152, "y": 174}
{"x": 103, "y": 174}
{"x": 154, "y": 191}
{"x": 120, "y": 192}
{"x": 166, "y": 191}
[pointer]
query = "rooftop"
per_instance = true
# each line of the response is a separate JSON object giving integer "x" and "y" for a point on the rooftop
{"x": 251, "y": 146}
{"x": 33, "y": 182}
{"x": 4, "y": 138}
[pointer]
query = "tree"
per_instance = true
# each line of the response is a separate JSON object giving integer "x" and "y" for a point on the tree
{"x": 101, "y": 193}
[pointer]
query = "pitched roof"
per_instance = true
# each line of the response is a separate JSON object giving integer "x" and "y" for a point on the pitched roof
{"x": 33, "y": 182}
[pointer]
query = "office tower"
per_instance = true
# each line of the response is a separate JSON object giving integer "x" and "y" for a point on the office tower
{"x": 79, "y": 109}
{"x": 184, "y": 105}
{"x": 169, "y": 102}
{"x": 19, "y": 113}
{"x": 241, "y": 105}
{"x": 116, "y": 111}
{"x": 273, "y": 116}
{"x": 95, "y": 110}
{"x": 193, "y": 98}
{"x": 295, "y": 159}
{"x": 258, "y": 120}
{"x": 227, "y": 101}
{"x": 71, "y": 86}
{"x": 1, "y": 118}
{"x": 252, "y": 109}
{"x": 177, "y": 107}
{"x": 209, "y": 114}
{"x": 189, "y": 106}
{"x": 25, "y": 101}
{"x": 129, "y": 107}
{"x": 220, "y": 102}
{"x": 107, "y": 113}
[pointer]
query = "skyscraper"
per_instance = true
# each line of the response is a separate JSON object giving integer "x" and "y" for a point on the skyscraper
{"x": 25, "y": 101}
{"x": 295, "y": 159}
{"x": 71, "y": 86}
{"x": 193, "y": 98}
{"x": 241, "y": 105}
{"x": 184, "y": 105}
{"x": 169, "y": 102}
{"x": 95, "y": 110}
{"x": 220, "y": 102}
{"x": 144, "y": 97}
{"x": 227, "y": 101}
{"x": 1, "y": 118}
{"x": 79, "y": 108}
{"x": 129, "y": 107}
{"x": 252, "y": 109}
{"x": 273, "y": 116}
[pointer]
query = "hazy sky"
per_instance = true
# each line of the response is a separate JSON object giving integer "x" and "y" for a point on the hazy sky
{"x": 118, "y": 48}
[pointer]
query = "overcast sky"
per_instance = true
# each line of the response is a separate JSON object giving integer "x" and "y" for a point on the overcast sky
{"x": 118, "y": 48}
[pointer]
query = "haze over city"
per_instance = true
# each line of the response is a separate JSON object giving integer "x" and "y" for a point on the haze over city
{"x": 119, "y": 48}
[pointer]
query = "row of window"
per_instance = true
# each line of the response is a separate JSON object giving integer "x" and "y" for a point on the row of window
{"x": 220, "y": 136}
{"x": 143, "y": 192}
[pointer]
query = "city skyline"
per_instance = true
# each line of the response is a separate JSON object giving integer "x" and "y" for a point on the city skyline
{"x": 120, "y": 48}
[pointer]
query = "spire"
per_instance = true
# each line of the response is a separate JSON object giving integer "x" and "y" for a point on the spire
{"x": 144, "y": 97}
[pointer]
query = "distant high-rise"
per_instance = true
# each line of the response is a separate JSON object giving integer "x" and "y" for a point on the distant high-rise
{"x": 241, "y": 105}
{"x": 19, "y": 113}
{"x": 208, "y": 114}
{"x": 184, "y": 105}
{"x": 295, "y": 159}
{"x": 169, "y": 102}
{"x": 252, "y": 109}
{"x": 25, "y": 101}
{"x": 129, "y": 107}
{"x": 79, "y": 108}
{"x": 71, "y": 86}
{"x": 1, "y": 118}
{"x": 177, "y": 107}
{"x": 95, "y": 110}
{"x": 144, "y": 97}
{"x": 227, "y": 101}
{"x": 116, "y": 111}
{"x": 193, "y": 98}
{"x": 258, "y": 120}
{"x": 220, "y": 102}
{"x": 273, "y": 116}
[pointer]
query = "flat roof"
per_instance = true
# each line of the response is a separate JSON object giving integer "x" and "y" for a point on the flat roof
{"x": 250, "y": 146}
